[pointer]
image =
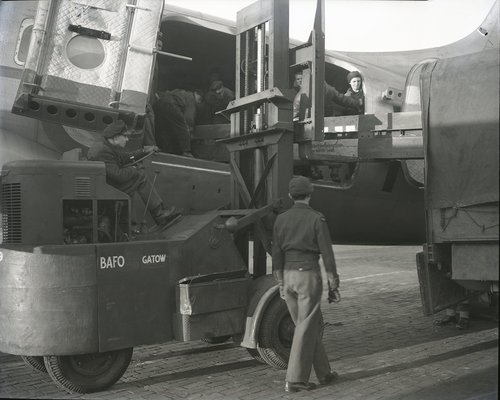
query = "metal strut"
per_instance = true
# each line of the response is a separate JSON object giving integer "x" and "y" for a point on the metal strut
{"x": 261, "y": 142}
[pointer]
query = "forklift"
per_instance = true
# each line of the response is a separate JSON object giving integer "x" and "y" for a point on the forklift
{"x": 80, "y": 286}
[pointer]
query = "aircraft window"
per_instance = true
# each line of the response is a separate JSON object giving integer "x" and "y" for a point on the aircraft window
{"x": 85, "y": 52}
{"x": 23, "y": 41}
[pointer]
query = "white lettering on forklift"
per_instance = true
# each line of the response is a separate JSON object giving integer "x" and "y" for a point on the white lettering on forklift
{"x": 112, "y": 262}
{"x": 154, "y": 258}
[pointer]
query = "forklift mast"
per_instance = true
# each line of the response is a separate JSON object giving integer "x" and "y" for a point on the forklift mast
{"x": 262, "y": 131}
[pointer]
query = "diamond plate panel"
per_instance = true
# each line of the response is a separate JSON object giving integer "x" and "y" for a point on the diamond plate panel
{"x": 416, "y": 169}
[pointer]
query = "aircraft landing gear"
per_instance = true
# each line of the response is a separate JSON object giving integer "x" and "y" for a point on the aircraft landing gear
{"x": 88, "y": 373}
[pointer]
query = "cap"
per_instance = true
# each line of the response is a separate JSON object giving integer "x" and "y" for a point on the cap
{"x": 353, "y": 74}
{"x": 300, "y": 185}
{"x": 115, "y": 128}
{"x": 215, "y": 85}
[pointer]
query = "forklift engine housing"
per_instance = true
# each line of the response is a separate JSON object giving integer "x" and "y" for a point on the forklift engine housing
{"x": 77, "y": 283}
{"x": 61, "y": 202}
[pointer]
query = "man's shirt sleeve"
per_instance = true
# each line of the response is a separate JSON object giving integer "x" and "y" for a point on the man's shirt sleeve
{"x": 277, "y": 253}
{"x": 325, "y": 245}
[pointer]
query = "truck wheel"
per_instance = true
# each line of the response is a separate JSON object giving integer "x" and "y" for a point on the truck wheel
{"x": 216, "y": 340}
{"x": 276, "y": 334}
{"x": 88, "y": 373}
{"x": 35, "y": 363}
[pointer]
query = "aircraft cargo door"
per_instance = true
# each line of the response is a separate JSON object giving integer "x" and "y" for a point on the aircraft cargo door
{"x": 90, "y": 62}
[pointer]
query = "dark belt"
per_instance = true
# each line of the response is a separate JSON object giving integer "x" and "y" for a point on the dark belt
{"x": 301, "y": 256}
{"x": 301, "y": 261}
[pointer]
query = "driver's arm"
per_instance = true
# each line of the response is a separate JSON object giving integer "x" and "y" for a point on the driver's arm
{"x": 131, "y": 156}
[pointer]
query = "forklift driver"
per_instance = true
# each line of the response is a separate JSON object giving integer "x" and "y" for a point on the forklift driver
{"x": 127, "y": 178}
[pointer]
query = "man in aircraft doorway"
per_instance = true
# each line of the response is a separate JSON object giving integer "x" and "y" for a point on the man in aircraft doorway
{"x": 332, "y": 97}
{"x": 355, "y": 91}
{"x": 175, "y": 113}
{"x": 127, "y": 178}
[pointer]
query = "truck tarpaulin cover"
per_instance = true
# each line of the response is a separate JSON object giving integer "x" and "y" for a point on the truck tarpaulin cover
{"x": 460, "y": 107}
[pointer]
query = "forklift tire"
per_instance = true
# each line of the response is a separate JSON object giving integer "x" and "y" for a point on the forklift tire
{"x": 216, "y": 339}
{"x": 255, "y": 354}
{"x": 35, "y": 363}
{"x": 276, "y": 334}
{"x": 88, "y": 373}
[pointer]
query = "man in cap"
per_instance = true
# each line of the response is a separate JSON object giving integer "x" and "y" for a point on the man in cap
{"x": 333, "y": 101}
{"x": 300, "y": 235}
{"x": 127, "y": 178}
{"x": 217, "y": 99}
{"x": 355, "y": 91}
{"x": 175, "y": 114}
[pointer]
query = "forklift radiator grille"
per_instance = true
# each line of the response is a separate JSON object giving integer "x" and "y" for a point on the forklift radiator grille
{"x": 82, "y": 186}
{"x": 11, "y": 213}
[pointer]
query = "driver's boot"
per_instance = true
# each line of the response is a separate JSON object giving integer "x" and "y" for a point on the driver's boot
{"x": 163, "y": 216}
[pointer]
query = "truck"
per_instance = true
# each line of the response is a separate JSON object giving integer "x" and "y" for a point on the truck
{"x": 459, "y": 261}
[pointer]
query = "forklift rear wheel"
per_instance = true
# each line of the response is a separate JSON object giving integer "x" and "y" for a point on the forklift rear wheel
{"x": 276, "y": 334}
{"x": 35, "y": 363}
{"x": 88, "y": 373}
{"x": 216, "y": 339}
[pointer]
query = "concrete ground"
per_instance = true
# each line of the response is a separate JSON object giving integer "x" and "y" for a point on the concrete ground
{"x": 377, "y": 339}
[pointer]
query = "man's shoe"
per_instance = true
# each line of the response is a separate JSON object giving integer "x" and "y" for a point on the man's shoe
{"x": 292, "y": 387}
{"x": 328, "y": 378}
{"x": 165, "y": 216}
{"x": 463, "y": 323}
{"x": 188, "y": 154}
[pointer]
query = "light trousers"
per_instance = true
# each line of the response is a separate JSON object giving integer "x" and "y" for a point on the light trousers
{"x": 303, "y": 291}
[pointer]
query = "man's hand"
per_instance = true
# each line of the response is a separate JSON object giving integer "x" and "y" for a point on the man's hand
{"x": 278, "y": 275}
{"x": 333, "y": 281}
{"x": 333, "y": 288}
{"x": 149, "y": 149}
{"x": 282, "y": 292}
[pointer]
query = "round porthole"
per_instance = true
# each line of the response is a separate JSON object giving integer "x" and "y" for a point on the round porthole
{"x": 85, "y": 52}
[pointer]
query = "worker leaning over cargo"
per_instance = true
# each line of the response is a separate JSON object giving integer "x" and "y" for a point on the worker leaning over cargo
{"x": 175, "y": 113}
{"x": 127, "y": 178}
{"x": 300, "y": 236}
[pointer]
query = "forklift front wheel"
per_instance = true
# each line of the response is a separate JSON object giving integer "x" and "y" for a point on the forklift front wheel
{"x": 88, "y": 373}
{"x": 276, "y": 334}
{"x": 35, "y": 363}
{"x": 216, "y": 339}
{"x": 255, "y": 354}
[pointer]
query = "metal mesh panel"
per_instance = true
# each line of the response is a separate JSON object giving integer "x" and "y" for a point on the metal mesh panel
{"x": 416, "y": 169}
{"x": 61, "y": 78}
{"x": 140, "y": 56}
{"x": 11, "y": 213}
